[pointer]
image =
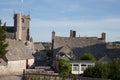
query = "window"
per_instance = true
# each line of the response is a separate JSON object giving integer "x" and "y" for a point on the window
{"x": 83, "y": 67}
{"x": 75, "y": 67}
{"x": 23, "y": 28}
{"x": 23, "y": 20}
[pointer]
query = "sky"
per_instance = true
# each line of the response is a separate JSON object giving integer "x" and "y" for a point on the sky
{"x": 86, "y": 17}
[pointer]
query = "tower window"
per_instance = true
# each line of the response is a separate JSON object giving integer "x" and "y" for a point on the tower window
{"x": 23, "y": 28}
{"x": 23, "y": 20}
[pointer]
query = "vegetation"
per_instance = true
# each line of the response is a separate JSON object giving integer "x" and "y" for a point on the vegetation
{"x": 88, "y": 56}
{"x": 115, "y": 69}
{"x": 108, "y": 71}
{"x": 64, "y": 68}
{"x": 3, "y": 44}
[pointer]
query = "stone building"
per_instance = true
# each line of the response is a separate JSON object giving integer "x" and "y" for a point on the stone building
{"x": 16, "y": 59}
{"x": 74, "y": 47}
{"x": 21, "y": 29}
{"x": 20, "y": 47}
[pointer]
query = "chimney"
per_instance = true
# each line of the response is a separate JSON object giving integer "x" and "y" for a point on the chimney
{"x": 103, "y": 36}
{"x": 53, "y": 34}
{"x": 52, "y": 48}
{"x": 72, "y": 33}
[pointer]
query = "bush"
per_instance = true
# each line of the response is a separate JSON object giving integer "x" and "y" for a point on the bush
{"x": 88, "y": 56}
{"x": 109, "y": 71}
{"x": 64, "y": 68}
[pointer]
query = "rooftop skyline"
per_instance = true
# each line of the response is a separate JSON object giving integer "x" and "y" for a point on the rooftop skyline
{"x": 87, "y": 17}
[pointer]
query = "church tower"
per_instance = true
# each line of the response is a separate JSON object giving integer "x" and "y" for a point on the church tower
{"x": 22, "y": 27}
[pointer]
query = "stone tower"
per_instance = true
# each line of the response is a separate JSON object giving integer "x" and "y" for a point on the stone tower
{"x": 22, "y": 27}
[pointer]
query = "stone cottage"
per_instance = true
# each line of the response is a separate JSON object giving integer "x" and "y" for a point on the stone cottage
{"x": 72, "y": 48}
{"x": 76, "y": 46}
{"x": 20, "y": 47}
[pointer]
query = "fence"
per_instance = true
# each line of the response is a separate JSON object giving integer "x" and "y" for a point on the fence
{"x": 52, "y": 76}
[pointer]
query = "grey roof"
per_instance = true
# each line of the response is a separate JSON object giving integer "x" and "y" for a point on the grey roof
{"x": 39, "y": 46}
{"x": 81, "y": 45}
{"x": 105, "y": 58}
{"x": 76, "y": 41}
{"x": 65, "y": 49}
{"x": 82, "y": 61}
{"x": 17, "y": 51}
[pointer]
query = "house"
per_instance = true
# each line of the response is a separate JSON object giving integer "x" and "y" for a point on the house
{"x": 78, "y": 67}
{"x": 105, "y": 59}
{"x": 71, "y": 48}
{"x": 40, "y": 54}
{"x": 77, "y": 46}
{"x": 20, "y": 47}
{"x": 17, "y": 58}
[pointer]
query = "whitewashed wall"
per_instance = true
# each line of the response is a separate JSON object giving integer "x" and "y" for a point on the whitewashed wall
{"x": 15, "y": 67}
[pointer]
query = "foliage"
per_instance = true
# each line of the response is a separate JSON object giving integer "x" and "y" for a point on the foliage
{"x": 99, "y": 71}
{"x": 115, "y": 69}
{"x": 110, "y": 70}
{"x": 88, "y": 56}
{"x": 64, "y": 67}
{"x": 3, "y": 44}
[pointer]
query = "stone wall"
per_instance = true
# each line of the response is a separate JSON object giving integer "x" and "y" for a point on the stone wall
{"x": 15, "y": 67}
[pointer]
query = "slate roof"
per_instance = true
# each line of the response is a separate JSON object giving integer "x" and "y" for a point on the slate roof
{"x": 81, "y": 45}
{"x": 65, "y": 49}
{"x": 17, "y": 51}
{"x": 76, "y": 41}
{"x": 105, "y": 58}
{"x": 39, "y": 46}
{"x": 82, "y": 61}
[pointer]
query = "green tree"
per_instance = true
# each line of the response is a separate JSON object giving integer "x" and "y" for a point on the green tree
{"x": 64, "y": 67}
{"x": 98, "y": 71}
{"x": 88, "y": 56}
{"x": 3, "y": 44}
{"x": 115, "y": 67}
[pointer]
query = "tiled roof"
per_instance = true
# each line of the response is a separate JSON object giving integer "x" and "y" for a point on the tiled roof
{"x": 105, "y": 58}
{"x": 76, "y": 41}
{"x": 65, "y": 49}
{"x": 17, "y": 50}
{"x": 81, "y": 45}
{"x": 82, "y": 61}
{"x": 39, "y": 46}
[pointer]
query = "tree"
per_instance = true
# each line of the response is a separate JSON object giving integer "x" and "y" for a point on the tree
{"x": 64, "y": 67}
{"x": 98, "y": 71}
{"x": 88, "y": 56}
{"x": 3, "y": 44}
{"x": 115, "y": 67}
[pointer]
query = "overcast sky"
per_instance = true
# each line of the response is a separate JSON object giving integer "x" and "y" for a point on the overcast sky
{"x": 87, "y": 17}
